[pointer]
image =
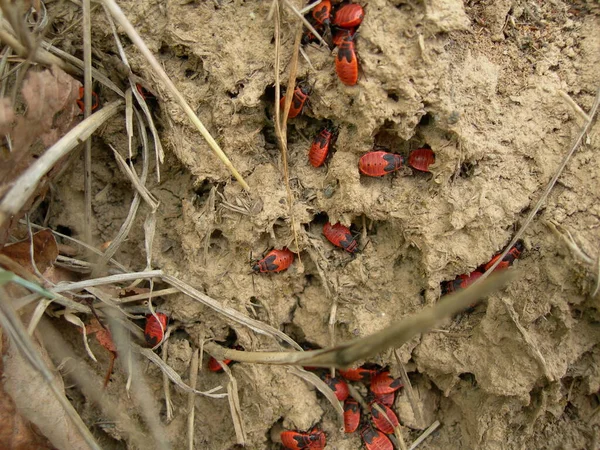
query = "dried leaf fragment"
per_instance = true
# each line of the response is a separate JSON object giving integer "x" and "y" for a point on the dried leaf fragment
{"x": 45, "y": 251}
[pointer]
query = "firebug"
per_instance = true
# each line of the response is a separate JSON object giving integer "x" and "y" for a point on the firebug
{"x": 321, "y": 145}
{"x": 421, "y": 159}
{"x": 349, "y": 16}
{"x": 383, "y": 383}
{"x": 340, "y": 236}
{"x": 274, "y": 261}
{"x": 351, "y": 415}
{"x": 380, "y": 163}
{"x": 156, "y": 326}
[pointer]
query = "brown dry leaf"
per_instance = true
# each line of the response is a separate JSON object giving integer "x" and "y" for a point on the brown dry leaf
{"x": 35, "y": 401}
{"x": 103, "y": 336}
{"x": 47, "y": 93}
{"x": 45, "y": 251}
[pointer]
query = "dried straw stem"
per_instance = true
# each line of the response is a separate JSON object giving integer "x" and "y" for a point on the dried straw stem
{"x": 118, "y": 15}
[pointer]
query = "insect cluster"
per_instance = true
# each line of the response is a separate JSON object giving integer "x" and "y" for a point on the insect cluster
{"x": 465, "y": 280}
{"x": 376, "y": 423}
{"x": 338, "y": 26}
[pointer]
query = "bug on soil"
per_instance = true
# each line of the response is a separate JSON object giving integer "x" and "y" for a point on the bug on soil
{"x": 375, "y": 439}
{"x": 322, "y": 12}
{"x": 509, "y": 259}
{"x": 386, "y": 399}
{"x": 214, "y": 366}
{"x": 81, "y": 104}
{"x": 340, "y": 236}
{"x": 338, "y": 386}
{"x": 351, "y": 415}
{"x": 342, "y": 34}
{"x": 421, "y": 159}
{"x": 146, "y": 95}
{"x": 383, "y": 383}
{"x": 274, "y": 261}
{"x": 308, "y": 37}
{"x": 349, "y": 16}
{"x": 155, "y": 328}
{"x": 321, "y": 145}
{"x": 379, "y": 420}
{"x": 299, "y": 99}
{"x": 296, "y": 440}
{"x": 460, "y": 282}
{"x": 358, "y": 374}
{"x": 346, "y": 61}
{"x": 380, "y": 163}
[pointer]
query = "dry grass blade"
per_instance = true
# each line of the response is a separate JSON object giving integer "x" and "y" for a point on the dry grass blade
{"x": 174, "y": 376}
{"x": 305, "y": 22}
{"x": 41, "y": 56}
{"x": 133, "y": 208}
{"x": 69, "y": 317}
{"x": 112, "y": 279}
{"x": 192, "y": 398}
{"x": 529, "y": 341}
{"x": 135, "y": 181}
{"x": 13, "y": 326}
{"x": 393, "y": 336}
{"x": 548, "y": 188}
{"x": 96, "y": 74}
{"x": 87, "y": 111}
{"x": 280, "y": 130}
{"x": 83, "y": 244}
{"x": 434, "y": 426}
{"x": 323, "y": 389}
{"x": 160, "y": 155}
{"x": 415, "y": 405}
{"x": 230, "y": 313}
{"x": 397, "y": 431}
{"x": 166, "y": 385}
{"x": 25, "y": 186}
{"x": 234, "y": 406}
{"x": 138, "y": 41}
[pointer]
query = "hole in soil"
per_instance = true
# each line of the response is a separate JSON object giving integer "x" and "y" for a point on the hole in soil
{"x": 469, "y": 378}
{"x": 386, "y": 138}
{"x": 320, "y": 219}
{"x": 466, "y": 169}
{"x": 189, "y": 73}
{"x": 427, "y": 119}
{"x": 393, "y": 96}
{"x": 64, "y": 230}
{"x": 203, "y": 190}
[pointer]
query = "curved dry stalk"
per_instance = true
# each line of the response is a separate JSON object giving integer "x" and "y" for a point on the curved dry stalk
{"x": 41, "y": 56}
{"x": 87, "y": 111}
{"x": 24, "y": 187}
{"x": 191, "y": 397}
{"x": 313, "y": 379}
{"x": 280, "y": 125}
{"x": 393, "y": 336}
{"x": 230, "y": 313}
{"x": 548, "y": 188}
{"x": 434, "y": 426}
{"x": 118, "y": 15}
{"x": 174, "y": 376}
{"x": 96, "y": 74}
